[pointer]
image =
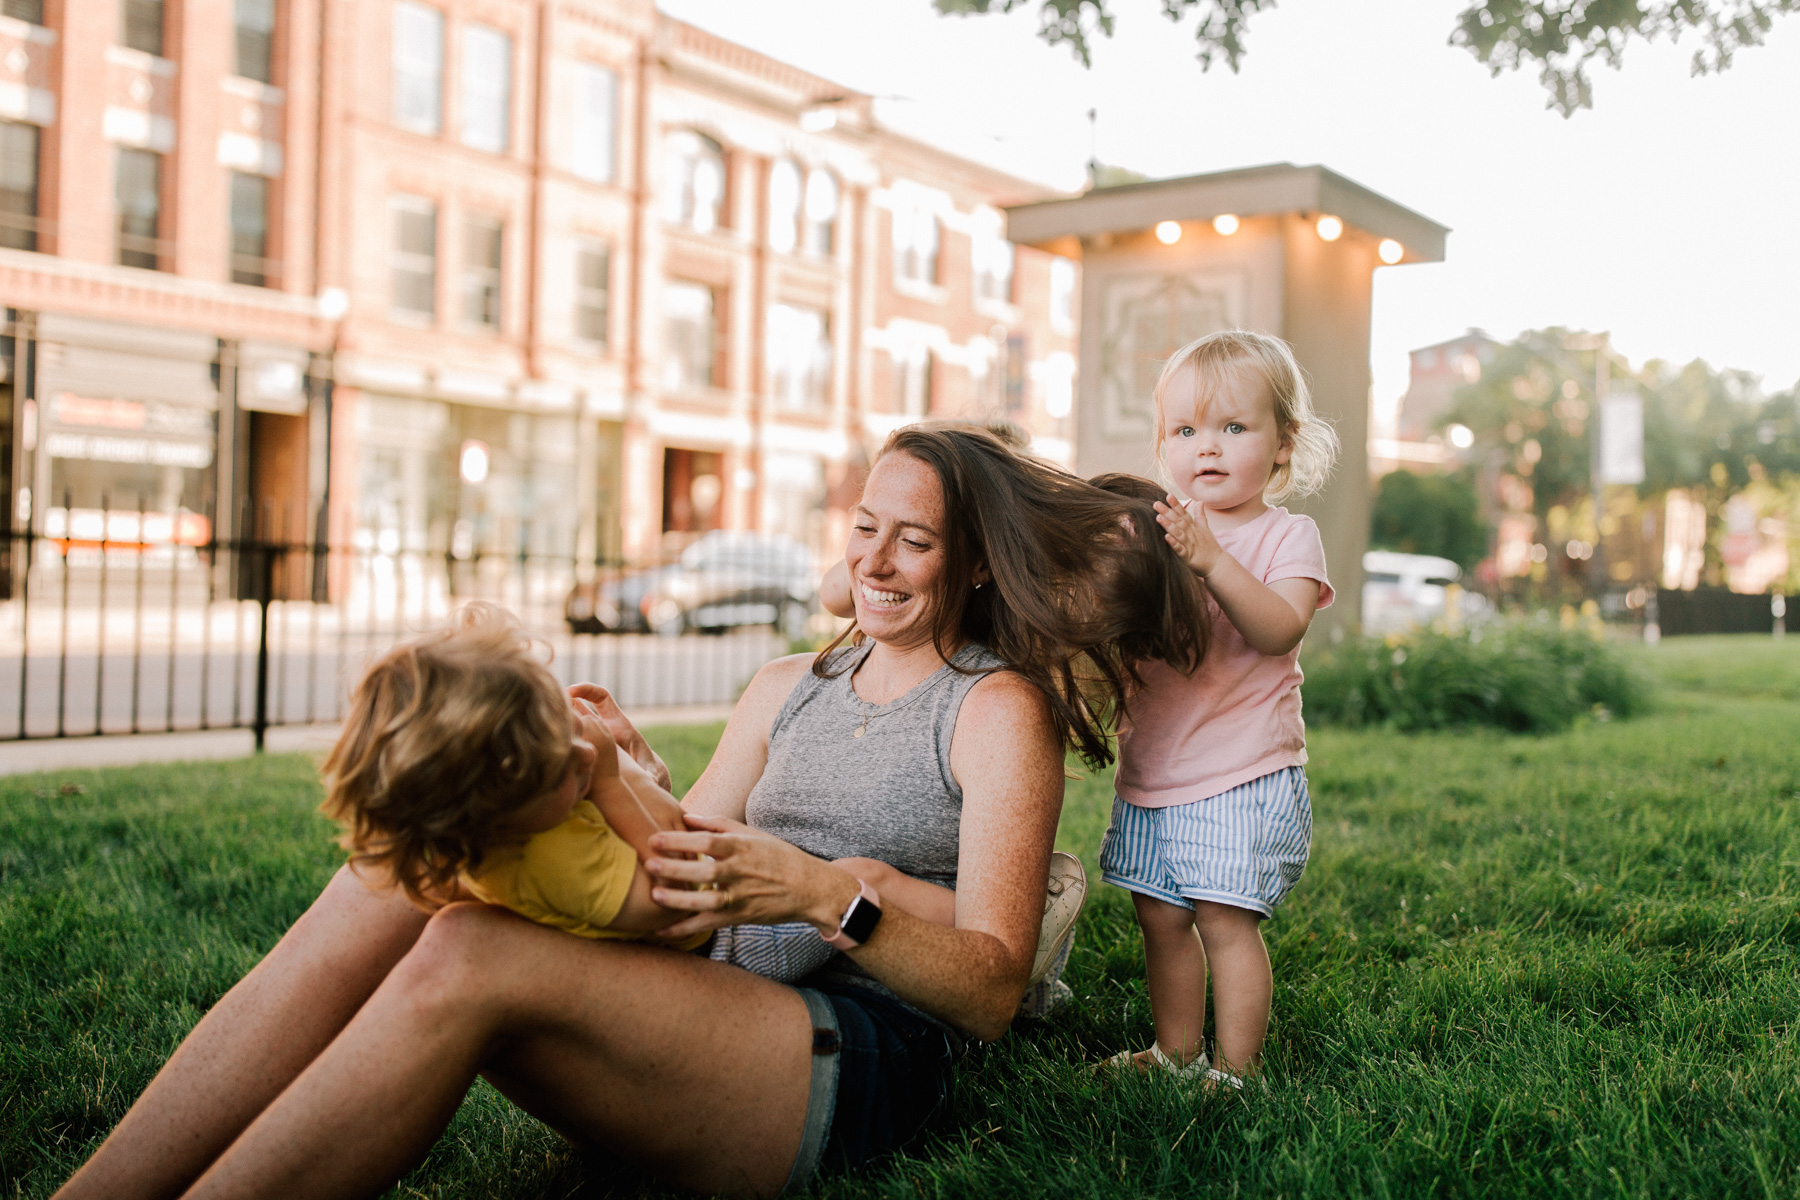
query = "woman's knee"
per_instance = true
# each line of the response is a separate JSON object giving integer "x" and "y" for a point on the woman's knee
{"x": 460, "y": 956}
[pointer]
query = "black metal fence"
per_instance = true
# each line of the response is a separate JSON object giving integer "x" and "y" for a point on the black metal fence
{"x": 112, "y": 623}
{"x": 1716, "y": 610}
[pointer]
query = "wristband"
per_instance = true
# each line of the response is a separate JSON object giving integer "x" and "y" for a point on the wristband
{"x": 859, "y": 920}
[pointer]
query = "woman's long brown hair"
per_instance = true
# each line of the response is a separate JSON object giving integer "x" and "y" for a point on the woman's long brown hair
{"x": 1084, "y": 587}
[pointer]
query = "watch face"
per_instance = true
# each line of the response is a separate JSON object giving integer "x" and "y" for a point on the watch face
{"x": 861, "y": 920}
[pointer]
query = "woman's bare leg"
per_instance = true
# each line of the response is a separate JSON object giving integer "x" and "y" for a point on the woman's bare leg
{"x": 253, "y": 1043}
{"x": 696, "y": 1070}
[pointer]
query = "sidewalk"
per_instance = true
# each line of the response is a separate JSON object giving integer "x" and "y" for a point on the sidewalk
{"x": 125, "y": 750}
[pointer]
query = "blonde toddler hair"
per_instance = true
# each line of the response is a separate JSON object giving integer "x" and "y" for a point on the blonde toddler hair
{"x": 446, "y": 737}
{"x": 1229, "y": 352}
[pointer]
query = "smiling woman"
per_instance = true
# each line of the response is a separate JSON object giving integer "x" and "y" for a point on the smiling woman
{"x": 959, "y": 539}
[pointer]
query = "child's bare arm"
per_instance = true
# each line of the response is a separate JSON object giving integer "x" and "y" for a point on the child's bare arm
{"x": 834, "y": 592}
{"x": 1273, "y": 617}
{"x": 635, "y": 806}
{"x": 927, "y": 901}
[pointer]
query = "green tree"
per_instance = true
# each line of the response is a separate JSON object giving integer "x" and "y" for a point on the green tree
{"x": 1559, "y": 37}
{"x": 1429, "y": 514}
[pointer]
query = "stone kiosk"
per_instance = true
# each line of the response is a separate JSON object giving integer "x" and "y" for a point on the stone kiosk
{"x": 1281, "y": 249}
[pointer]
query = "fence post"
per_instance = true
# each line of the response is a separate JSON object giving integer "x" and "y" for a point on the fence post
{"x": 265, "y": 585}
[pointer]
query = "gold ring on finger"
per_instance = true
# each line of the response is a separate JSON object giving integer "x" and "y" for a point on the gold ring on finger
{"x": 726, "y": 898}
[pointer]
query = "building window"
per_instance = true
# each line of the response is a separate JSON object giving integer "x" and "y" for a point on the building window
{"x": 141, "y": 25}
{"x": 18, "y": 185}
{"x": 250, "y": 229}
{"x": 418, "y": 67}
{"x": 29, "y": 11}
{"x": 689, "y": 358}
{"x": 915, "y": 244}
{"x": 912, "y": 380}
{"x": 993, "y": 265}
{"x": 138, "y": 192}
{"x": 481, "y": 272}
{"x": 593, "y": 293}
{"x": 256, "y": 39}
{"x": 415, "y": 256}
{"x": 1062, "y": 295}
{"x": 821, "y": 212}
{"x": 800, "y": 358}
{"x": 486, "y": 88}
{"x": 784, "y": 207}
{"x": 694, "y": 180}
{"x": 596, "y": 122}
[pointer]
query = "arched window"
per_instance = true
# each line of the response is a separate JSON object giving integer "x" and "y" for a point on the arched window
{"x": 821, "y": 211}
{"x": 693, "y": 180}
{"x": 784, "y": 206}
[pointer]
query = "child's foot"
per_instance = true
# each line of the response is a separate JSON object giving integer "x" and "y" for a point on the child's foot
{"x": 1157, "y": 1059}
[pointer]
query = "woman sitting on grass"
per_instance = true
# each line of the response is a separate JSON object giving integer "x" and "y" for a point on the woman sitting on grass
{"x": 935, "y": 744}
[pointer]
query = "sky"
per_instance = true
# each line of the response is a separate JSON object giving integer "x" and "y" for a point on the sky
{"x": 1668, "y": 214}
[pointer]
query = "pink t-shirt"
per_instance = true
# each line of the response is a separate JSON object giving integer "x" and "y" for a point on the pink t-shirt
{"x": 1237, "y": 718}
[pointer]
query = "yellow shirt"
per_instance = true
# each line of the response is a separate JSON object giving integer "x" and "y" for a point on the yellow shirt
{"x": 574, "y": 876}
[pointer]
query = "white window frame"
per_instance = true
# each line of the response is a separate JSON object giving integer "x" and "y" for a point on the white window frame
{"x": 584, "y": 293}
{"x": 486, "y": 100}
{"x": 787, "y": 189}
{"x": 418, "y": 66}
{"x": 800, "y": 358}
{"x": 678, "y": 373}
{"x": 694, "y": 180}
{"x": 407, "y": 260}
{"x": 594, "y": 130}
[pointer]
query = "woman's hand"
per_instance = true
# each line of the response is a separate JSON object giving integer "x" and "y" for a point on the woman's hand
{"x": 623, "y": 733}
{"x": 1190, "y": 535}
{"x": 750, "y": 877}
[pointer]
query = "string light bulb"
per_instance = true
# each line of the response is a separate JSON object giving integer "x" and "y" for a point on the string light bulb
{"x": 1329, "y": 228}
{"x": 1225, "y": 224}
{"x": 1390, "y": 251}
{"x": 1168, "y": 232}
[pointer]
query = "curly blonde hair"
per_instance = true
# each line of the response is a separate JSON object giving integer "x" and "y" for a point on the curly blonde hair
{"x": 1218, "y": 356}
{"x": 446, "y": 737}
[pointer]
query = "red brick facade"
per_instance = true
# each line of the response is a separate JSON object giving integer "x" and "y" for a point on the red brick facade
{"x": 635, "y": 368}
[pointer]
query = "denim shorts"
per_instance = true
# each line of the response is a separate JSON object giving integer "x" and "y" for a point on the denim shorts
{"x": 881, "y": 1073}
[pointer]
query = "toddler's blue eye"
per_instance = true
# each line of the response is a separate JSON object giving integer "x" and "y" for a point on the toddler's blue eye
{"x": 1234, "y": 427}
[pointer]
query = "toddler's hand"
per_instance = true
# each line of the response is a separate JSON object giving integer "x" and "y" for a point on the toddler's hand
{"x": 1192, "y": 539}
{"x": 621, "y": 730}
{"x": 592, "y": 730}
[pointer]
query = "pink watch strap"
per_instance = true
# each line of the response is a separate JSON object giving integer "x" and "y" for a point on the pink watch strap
{"x": 841, "y": 940}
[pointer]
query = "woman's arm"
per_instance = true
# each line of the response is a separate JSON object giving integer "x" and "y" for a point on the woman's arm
{"x": 743, "y": 751}
{"x": 1009, "y": 763}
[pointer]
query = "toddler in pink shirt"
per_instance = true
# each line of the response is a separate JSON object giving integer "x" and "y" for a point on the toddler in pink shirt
{"x": 1212, "y": 824}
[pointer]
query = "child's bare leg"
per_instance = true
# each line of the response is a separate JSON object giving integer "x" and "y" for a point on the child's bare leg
{"x": 927, "y": 901}
{"x": 1243, "y": 986}
{"x": 1175, "y": 965}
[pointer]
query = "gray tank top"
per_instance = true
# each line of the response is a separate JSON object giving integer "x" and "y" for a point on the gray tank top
{"x": 887, "y": 795}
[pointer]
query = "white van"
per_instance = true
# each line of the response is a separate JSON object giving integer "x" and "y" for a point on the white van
{"x": 1401, "y": 591}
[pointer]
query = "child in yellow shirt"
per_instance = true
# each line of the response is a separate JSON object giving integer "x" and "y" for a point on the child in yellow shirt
{"x": 464, "y": 771}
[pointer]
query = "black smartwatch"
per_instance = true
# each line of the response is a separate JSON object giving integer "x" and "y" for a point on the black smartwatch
{"x": 859, "y": 920}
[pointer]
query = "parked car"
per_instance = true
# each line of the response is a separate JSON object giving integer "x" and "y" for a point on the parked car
{"x": 727, "y": 578}
{"x": 1401, "y": 591}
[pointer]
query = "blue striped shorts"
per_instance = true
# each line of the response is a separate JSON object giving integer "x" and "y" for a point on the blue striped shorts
{"x": 1245, "y": 847}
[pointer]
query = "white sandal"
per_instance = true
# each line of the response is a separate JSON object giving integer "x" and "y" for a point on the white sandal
{"x": 1193, "y": 1072}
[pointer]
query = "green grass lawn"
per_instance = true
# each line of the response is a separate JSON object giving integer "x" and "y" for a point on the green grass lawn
{"x": 1558, "y": 966}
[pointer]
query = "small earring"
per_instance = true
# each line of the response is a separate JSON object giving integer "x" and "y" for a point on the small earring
{"x": 978, "y": 587}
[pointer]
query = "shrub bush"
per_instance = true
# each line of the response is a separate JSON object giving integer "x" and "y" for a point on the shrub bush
{"x": 1526, "y": 677}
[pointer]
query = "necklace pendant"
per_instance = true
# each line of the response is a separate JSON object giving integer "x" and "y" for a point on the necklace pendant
{"x": 858, "y": 731}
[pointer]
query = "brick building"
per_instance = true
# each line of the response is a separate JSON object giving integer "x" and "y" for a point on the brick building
{"x": 481, "y": 276}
